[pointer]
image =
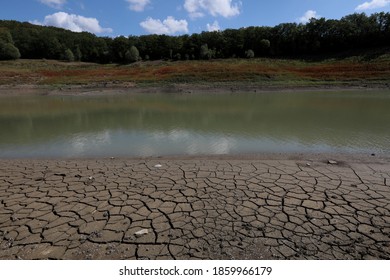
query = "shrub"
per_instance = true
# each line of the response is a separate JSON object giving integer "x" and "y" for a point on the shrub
{"x": 250, "y": 54}
{"x": 8, "y": 51}
{"x": 132, "y": 55}
{"x": 205, "y": 53}
{"x": 68, "y": 55}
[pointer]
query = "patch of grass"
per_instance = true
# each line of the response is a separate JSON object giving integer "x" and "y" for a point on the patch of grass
{"x": 260, "y": 71}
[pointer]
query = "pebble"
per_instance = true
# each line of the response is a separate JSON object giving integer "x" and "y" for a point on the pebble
{"x": 141, "y": 232}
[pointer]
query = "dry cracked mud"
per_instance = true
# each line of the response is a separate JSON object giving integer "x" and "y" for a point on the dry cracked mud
{"x": 193, "y": 209}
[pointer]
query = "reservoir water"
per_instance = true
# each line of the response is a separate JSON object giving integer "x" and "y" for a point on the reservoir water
{"x": 197, "y": 124}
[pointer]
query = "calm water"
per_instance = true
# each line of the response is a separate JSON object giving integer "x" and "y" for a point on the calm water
{"x": 156, "y": 125}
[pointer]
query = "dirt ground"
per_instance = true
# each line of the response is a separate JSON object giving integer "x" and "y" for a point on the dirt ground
{"x": 248, "y": 207}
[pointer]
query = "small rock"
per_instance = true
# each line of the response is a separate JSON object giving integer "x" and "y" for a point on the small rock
{"x": 308, "y": 164}
{"x": 90, "y": 178}
{"x": 373, "y": 155}
{"x": 141, "y": 232}
{"x": 332, "y": 162}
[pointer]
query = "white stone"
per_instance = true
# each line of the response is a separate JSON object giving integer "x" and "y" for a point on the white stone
{"x": 141, "y": 232}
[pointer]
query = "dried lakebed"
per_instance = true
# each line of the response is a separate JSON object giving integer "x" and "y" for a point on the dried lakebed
{"x": 195, "y": 208}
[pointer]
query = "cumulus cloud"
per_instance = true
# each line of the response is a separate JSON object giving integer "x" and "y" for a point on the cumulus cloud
{"x": 224, "y": 8}
{"x": 213, "y": 27}
{"x": 307, "y": 16}
{"x": 168, "y": 26}
{"x": 74, "y": 23}
{"x": 57, "y": 4}
{"x": 373, "y": 4}
{"x": 138, "y": 5}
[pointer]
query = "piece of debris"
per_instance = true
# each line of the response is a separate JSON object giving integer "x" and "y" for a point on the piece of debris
{"x": 308, "y": 164}
{"x": 95, "y": 234}
{"x": 373, "y": 155}
{"x": 141, "y": 232}
{"x": 89, "y": 181}
{"x": 158, "y": 166}
{"x": 332, "y": 162}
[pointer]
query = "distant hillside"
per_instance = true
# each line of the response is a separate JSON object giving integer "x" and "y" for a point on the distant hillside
{"x": 317, "y": 37}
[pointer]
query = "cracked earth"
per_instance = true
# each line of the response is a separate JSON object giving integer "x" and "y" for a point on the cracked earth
{"x": 194, "y": 209}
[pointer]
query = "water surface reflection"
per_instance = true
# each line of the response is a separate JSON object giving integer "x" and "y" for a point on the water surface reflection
{"x": 152, "y": 125}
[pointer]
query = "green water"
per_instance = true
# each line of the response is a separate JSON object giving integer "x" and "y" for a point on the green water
{"x": 155, "y": 125}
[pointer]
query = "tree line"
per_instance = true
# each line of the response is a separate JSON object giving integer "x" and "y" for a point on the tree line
{"x": 318, "y": 36}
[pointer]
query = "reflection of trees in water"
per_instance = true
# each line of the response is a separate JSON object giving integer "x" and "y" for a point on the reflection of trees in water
{"x": 309, "y": 119}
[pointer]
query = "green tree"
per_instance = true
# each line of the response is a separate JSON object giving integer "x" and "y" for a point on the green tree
{"x": 68, "y": 55}
{"x": 233, "y": 42}
{"x": 5, "y": 36}
{"x": 120, "y": 46}
{"x": 318, "y": 36}
{"x": 265, "y": 46}
{"x": 77, "y": 54}
{"x": 8, "y": 51}
{"x": 249, "y": 54}
{"x": 132, "y": 55}
{"x": 205, "y": 53}
{"x": 285, "y": 39}
{"x": 148, "y": 45}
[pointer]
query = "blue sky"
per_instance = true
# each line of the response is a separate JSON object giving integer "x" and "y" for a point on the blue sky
{"x": 175, "y": 17}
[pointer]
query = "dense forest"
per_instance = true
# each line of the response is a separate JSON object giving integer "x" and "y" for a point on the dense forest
{"x": 318, "y": 36}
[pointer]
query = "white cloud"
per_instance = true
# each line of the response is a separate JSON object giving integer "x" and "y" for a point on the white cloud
{"x": 373, "y": 4}
{"x": 307, "y": 16}
{"x": 213, "y": 27}
{"x": 138, "y": 5}
{"x": 74, "y": 23}
{"x": 57, "y": 4}
{"x": 168, "y": 26}
{"x": 224, "y": 8}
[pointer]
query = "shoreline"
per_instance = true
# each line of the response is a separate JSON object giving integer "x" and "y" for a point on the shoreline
{"x": 343, "y": 158}
{"x": 179, "y": 88}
